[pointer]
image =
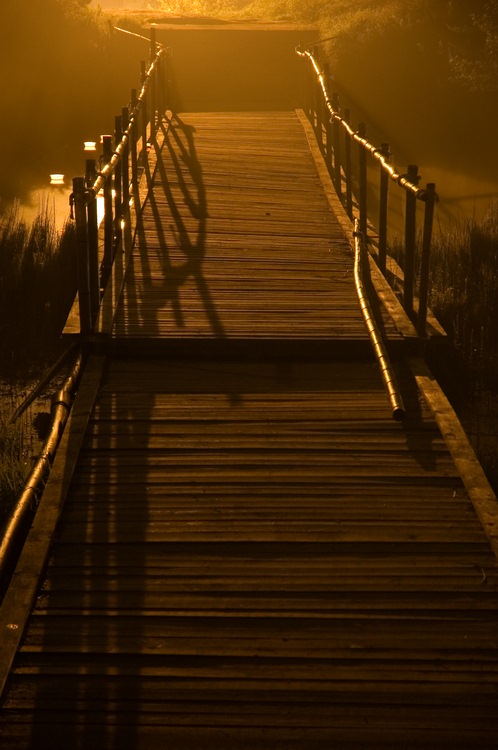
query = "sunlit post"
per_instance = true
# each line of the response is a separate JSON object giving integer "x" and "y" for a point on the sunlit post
{"x": 153, "y": 83}
{"x": 134, "y": 138}
{"x": 313, "y": 95}
{"x": 79, "y": 197}
{"x": 337, "y": 146}
{"x": 108, "y": 213}
{"x": 410, "y": 241}
{"x": 383, "y": 207}
{"x": 161, "y": 88}
{"x": 145, "y": 114}
{"x": 118, "y": 171}
{"x": 362, "y": 132}
{"x": 309, "y": 88}
{"x": 328, "y": 121}
{"x": 430, "y": 202}
{"x": 320, "y": 114}
{"x": 125, "y": 116}
{"x": 348, "y": 173}
{"x": 153, "y": 44}
{"x": 93, "y": 239}
{"x": 317, "y": 99}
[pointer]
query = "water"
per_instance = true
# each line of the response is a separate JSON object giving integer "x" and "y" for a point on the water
{"x": 51, "y": 199}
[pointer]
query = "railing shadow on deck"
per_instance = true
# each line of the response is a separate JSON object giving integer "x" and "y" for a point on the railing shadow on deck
{"x": 180, "y": 248}
{"x": 116, "y": 182}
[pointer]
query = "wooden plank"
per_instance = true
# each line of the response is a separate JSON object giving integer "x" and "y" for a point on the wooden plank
{"x": 18, "y": 600}
{"x": 186, "y": 274}
{"x": 253, "y": 553}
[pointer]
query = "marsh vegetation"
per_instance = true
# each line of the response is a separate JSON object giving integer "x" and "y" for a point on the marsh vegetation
{"x": 37, "y": 287}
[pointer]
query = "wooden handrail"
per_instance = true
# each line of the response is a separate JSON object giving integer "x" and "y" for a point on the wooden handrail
{"x": 22, "y": 514}
{"x": 120, "y": 169}
{"x": 355, "y": 135}
{"x": 380, "y": 351}
{"x": 343, "y": 172}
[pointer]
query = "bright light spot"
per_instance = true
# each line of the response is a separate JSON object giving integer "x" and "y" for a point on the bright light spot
{"x": 57, "y": 179}
{"x": 123, "y": 223}
{"x": 90, "y": 145}
{"x": 100, "y": 208}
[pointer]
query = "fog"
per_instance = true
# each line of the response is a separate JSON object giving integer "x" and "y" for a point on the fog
{"x": 65, "y": 76}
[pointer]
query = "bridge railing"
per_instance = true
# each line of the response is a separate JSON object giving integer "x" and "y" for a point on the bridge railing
{"x": 124, "y": 156}
{"x": 337, "y": 138}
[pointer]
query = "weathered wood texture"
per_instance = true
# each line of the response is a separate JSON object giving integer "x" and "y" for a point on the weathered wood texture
{"x": 257, "y": 555}
{"x": 253, "y": 554}
{"x": 238, "y": 239}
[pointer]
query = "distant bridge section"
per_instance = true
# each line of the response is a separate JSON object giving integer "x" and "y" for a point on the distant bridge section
{"x": 227, "y": 66}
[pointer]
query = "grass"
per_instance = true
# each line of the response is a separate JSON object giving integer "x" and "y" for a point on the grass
{"x": 13, "y": 459}
{"x": 464, "y": 291}
{"x": 37, "y": 286}
{"x": 464, "y": 298}
{"x": 464, "y": 280}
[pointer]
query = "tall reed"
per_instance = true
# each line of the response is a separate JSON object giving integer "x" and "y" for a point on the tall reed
{"x": 464, "y": 279}
{"x": 13, "y": 460}
{"x": 464, "y": 298}
{"x": 37, "y": 286}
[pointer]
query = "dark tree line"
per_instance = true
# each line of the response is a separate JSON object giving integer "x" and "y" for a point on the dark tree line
{"x": 466, "y": 34}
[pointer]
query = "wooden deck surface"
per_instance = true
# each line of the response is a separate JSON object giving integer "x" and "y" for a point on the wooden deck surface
{"x": 250, "y": 247}
{"x": 260, "y": 554}
{"x": 252, "y": 553}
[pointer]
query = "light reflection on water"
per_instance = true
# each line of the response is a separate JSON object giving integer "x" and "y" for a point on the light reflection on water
{"x": 461, "y": 199}
{"x": 52, "y": 194}
{"x": 53, "y": 200}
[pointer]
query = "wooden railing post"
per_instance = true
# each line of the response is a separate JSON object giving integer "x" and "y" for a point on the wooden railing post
{"x": 328, "y": 148}
{"x": 383, "y": 208}
{"x": 313, "y": 99}
{"x": 430, "y": 202}
{"x": 108, "y": 214}
{"x": 125, "y": 166}
{"x": 118, "y": 176}
{"x": 325, "y": 119}
{"x": 310, "y": 88}
{"x": 362, "y": 180}
{"x": 134, "y": 139}
{"x": 348, "y": 171}
{"x": 153, "y": 83}
{"x": 80, "y": 215}
{"x": 410, "y": 241}
{"x": 145, "y": 116}
{"x": 153, "y": 43}
{"x": 93, "y": 240}
{"x": 302, "y": 79}
{"x": 337, "y": 146}
{"x": 161, "y": 88}
{"x": 319, "y": 113}
{"x": 342, "y": 171}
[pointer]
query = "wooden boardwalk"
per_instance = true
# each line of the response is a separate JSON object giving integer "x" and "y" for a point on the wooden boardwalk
{"x": 252, "y": 553}
{"x": 250, "y": 249}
